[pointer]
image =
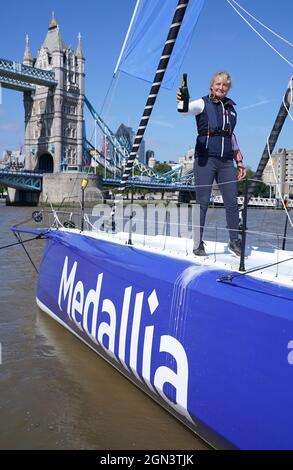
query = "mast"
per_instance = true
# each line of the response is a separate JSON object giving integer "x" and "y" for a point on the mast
{"x": 273, "y": 137}
{"x": 161, "y": 69}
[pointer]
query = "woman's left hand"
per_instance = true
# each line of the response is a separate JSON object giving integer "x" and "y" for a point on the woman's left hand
{"x": 241, "y": 172}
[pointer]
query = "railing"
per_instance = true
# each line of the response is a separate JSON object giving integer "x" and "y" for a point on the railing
{"x": 150, "y": 184}
{"x": 172, "y": 228}
{"x": 254, "y": 201}
{"x": 29, "y": 181}
{"x": 21, "y": 173}
{"x": 24, "y": 73}
{"x": 16, "y": 84}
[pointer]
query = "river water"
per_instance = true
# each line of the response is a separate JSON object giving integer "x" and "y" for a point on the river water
{"x": 56, "y": 393}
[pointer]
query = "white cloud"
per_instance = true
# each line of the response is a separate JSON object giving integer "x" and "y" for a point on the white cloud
{"x": 9, "y": 126}
{"x": 161, "y": 123}
{"x": 254, "y": 105}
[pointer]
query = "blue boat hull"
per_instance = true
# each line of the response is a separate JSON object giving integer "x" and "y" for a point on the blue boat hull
{"x": 218, "y": 355}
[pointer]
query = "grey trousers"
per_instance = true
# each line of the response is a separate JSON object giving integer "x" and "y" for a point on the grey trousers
{"x": 208, "y": 170}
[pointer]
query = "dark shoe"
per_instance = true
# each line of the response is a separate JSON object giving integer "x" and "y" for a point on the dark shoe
{"x": 235, "y": 247}
{"x": 200, "y": 251}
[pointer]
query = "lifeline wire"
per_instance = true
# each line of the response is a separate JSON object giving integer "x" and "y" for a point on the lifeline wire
{"x": 230, "y": 277}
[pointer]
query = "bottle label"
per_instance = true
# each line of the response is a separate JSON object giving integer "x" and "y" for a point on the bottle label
{"x": 180, "y": 105}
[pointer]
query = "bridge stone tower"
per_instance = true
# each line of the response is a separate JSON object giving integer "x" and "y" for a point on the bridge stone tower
{"x": 54, "y": 116}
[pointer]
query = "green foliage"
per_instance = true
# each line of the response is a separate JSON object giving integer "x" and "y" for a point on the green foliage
{"x": 261, "y": 188}
{"x": 99, "y": 170}
{"x": 162, "y": 167}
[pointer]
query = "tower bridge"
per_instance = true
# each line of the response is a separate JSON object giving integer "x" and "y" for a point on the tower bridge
{"x": 52, "y": 84}
{"x": 53, "y": 87}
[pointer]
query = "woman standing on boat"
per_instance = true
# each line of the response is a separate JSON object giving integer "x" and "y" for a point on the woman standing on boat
{"x": 216, "y": 148}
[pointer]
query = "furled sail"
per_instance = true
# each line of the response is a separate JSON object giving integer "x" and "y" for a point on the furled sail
{"x": 146, "y": 37}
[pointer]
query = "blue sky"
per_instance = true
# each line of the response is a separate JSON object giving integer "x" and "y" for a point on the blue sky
{"x": 221, "y": 41}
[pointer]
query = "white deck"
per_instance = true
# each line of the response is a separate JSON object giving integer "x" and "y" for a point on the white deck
{"x": 218, "y": 255}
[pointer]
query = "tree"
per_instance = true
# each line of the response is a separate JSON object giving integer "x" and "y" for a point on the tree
{"x": 261, "y": 188}
{"x": 162, "y": 167}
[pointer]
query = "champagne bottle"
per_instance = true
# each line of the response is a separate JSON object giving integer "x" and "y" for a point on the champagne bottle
{"x": 184, "y": 103}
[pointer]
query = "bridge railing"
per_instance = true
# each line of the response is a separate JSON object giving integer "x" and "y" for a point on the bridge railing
{"x": 26, "y": 73}
{"x": 21, "y": 173}
{"x": 254, "y": 201}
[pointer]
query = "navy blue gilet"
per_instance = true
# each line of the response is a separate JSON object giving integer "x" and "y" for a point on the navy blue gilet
{"x": 215, "y": 126}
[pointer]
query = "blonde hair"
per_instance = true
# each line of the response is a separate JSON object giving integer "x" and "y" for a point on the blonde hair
{"x": 225, "y": 76}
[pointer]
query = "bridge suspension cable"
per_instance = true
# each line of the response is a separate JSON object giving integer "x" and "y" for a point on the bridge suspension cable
{"x": 122, "y": 148}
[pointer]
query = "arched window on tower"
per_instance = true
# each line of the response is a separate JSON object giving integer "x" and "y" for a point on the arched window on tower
{"x": 42, "y": 107}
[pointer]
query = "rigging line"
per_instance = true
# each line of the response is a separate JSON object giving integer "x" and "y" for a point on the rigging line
{"x": 278, "y": 185}
{"x": 260, "y": 35}
{"x": 270, "y": 155}
{"x": 71, "y": 193}
{"x": 115, "y": 81}
{"x": 18, "y": 237}
{"x": 38, "y": 237}
{"x": 222, "y": 184}
{"x": 273, "y": 137}
{"x": 126, "y": 37}
{"x": 95, "y": 146}
{"x": 253, "y": 270}
{"x": 262, "y": 24}
{"x": 93, "y": 133}
{"x": 215, "y": 184}
{"x": 162, "y": 66}
{"x": 156, "y": 85}
{"x": 106, "y": 96}
{"x": 291, "y": 99}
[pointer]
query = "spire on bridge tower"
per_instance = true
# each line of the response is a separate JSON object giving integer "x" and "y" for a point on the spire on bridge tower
{"x": 27, "y": 57}
{"x": 79, "y": 51}
{"x": 54, "y": 117}
{"x": 53, "y": 23}
{"x": 54, "y": 41}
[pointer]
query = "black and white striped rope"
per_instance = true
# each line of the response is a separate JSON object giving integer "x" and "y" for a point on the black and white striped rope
{"x": 164, "y": 60}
